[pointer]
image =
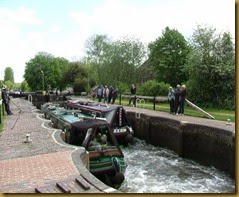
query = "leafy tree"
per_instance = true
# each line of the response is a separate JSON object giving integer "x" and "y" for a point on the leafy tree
{"x": 61, "y": 65}
{"x": 74, "y": 73}
{"x": 9, "y": 84}
{"x": 168, "y": 55}
{"x": 43, "y": 72}
{"x": 211, "y": 66}
{"x": 115, "y": 61}
{"x": 80, "y": 84}
{"x": 9, "y": 74}
{"x": 24, "y": 86}
{"x": 96, "y": 47}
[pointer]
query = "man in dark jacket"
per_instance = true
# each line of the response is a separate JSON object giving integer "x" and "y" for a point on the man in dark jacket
{"x": 133, "y": 95}
{"x": 6, "y": 100}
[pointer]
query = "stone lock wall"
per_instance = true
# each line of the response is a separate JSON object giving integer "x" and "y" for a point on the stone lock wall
{"x": 203, "y": 144}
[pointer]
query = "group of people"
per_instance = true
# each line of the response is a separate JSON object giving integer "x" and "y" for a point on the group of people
{"x": 176, "y": 99}
{"x": 6, "y": 100}
{"x": 107, "y": 94}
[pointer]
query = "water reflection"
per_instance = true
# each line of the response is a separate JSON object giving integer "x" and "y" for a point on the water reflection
{"x": 156, "y": 170}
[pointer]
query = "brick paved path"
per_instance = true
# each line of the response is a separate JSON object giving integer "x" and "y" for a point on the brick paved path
{"x": 44, "y": 161}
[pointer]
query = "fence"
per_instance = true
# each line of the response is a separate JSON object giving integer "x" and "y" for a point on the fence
{"x": 158, "y": 99}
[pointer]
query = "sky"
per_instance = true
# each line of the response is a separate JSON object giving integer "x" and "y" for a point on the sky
{"x": 61, "y": 27}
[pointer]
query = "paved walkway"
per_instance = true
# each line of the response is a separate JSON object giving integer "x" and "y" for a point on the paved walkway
{"x": 45, "y": 164}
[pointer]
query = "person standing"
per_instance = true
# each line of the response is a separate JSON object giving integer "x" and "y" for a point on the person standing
{"x": 6, "y": 100}
{"x": 106, "y": 94}
{"x": 110, "y": 93}
{"x": 114, "y": 95}
{"x": 171, "y": 99}
{"x": 182, "y": 98}
{"x": 100, "y": 93}
{"x": 133, "y": 95}
{"x": 176, "y": 95}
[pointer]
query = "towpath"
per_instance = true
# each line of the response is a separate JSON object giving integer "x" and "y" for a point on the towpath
{"x": 45, "y": 164}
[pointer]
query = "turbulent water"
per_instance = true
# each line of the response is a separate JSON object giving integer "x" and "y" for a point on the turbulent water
{"x": 156, "y": 170}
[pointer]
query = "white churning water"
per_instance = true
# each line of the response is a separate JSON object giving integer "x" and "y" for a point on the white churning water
{"x": 156, "y": 170}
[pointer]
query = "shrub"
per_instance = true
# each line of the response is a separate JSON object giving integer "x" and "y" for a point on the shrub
{"x": 153, "y": 88}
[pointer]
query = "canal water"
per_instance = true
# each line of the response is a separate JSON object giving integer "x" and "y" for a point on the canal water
{"x": 157, "y": 170}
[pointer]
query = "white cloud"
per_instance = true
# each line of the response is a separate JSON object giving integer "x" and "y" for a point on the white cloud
{"x": 23, "y": 34}
{"x": 15, "y": 48}
{"x": 118, "y": 17}
{"x": 20, "y": 15}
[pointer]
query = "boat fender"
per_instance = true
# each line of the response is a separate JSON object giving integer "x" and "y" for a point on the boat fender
{"x": 118, "y": 178}
{"x": 130, "y": 130}
{"x": 116, "y": 164}
{"x": 129, "y": 138}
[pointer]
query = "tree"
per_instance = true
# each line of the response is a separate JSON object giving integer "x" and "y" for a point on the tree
{"x": 168, "y": 55}
{"x": 76, "y": 75}
{"x": 61, "y": 64}
{"x": 115, "y": 61}
{"x": 124, "y": 58}
{"x": 96, "y": 47}
{"x": 24, "y": 86}
{"x": 9, "y": 84}
{"x": 43, "y": 72}
{"x": 211, "y": 66}
{"x": 9, "y": 74}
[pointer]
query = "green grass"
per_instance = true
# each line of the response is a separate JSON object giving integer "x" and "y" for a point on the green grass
{"x": 218, "y": 114}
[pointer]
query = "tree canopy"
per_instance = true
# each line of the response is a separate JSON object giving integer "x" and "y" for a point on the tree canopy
{"x": 168, "y": 55}
{"x": 205, "y": 63}
{"x": 44, "y": 72}
{"x": 9, "y": 74}
{"x": 115, "y": 61}
{"x": 211, "y": 67}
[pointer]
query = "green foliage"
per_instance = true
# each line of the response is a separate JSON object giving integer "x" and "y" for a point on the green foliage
{"x": 62, "y": 65}
{"x": 9, "y": 74}
{"x": 45, "y": 72}
{"x": 123, "y": 87}
{"x": 24, "y": 86}
{"x": 211, "y": 66}
{"x": 153, "y": 88}
{"x": 10, "y": 85}
{"x": 80, "y": 84}
{"x": 168, "y": 55}
{"x": 74, "y": 73}
{"x": 115, "y": 61}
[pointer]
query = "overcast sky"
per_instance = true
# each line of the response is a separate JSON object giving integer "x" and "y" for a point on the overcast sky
{"x": 61, "y": 27}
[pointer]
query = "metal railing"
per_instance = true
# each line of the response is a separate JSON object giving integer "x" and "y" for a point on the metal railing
{"x": 138, "y": 97}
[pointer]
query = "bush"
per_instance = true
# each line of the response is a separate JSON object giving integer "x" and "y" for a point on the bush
{"x": 80, "y": 85}
{"x": 153, "y": 88}
{"x": 123, "y": 88}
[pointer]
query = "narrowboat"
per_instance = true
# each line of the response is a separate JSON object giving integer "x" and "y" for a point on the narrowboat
{"x": 115, "y": 115}
{"x": 106, "y": 160}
